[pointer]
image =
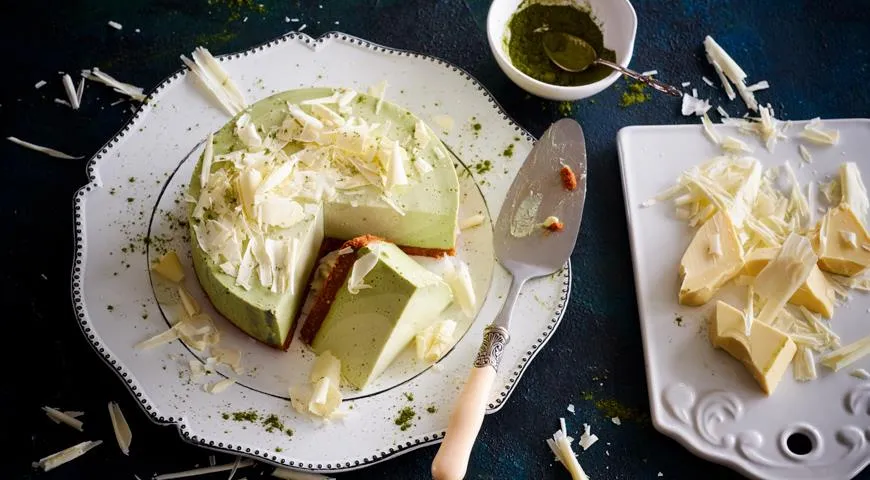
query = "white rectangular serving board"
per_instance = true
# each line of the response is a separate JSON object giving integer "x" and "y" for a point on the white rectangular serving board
{"x": 701, "y": 396}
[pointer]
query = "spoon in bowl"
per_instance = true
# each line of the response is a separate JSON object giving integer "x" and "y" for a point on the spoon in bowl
{"x": 573, "y": 54}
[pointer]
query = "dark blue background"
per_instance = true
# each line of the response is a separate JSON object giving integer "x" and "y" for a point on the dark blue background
{"x": 814, "y": 53}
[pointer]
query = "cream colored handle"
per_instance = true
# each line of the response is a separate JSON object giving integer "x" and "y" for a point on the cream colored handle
{"x": 451, "y": 461}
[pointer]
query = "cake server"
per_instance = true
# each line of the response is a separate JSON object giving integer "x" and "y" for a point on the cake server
{"x": 527, "y": 250}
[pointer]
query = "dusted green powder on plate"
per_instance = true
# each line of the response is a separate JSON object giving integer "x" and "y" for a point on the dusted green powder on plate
{"x": 406, "y": 415}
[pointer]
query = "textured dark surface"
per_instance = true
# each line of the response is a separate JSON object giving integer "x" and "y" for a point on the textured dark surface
{"x": 814, "y": 53}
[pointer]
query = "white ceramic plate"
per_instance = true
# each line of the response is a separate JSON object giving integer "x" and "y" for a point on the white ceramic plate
{"x": 136, "y": 188}
{"x": 701, "y": 396}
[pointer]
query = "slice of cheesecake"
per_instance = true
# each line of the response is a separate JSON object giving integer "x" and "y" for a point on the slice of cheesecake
{"x": 373, "y": 301}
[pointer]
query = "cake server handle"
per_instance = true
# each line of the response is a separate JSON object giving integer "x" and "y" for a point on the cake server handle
{"x": 451, "y": 461}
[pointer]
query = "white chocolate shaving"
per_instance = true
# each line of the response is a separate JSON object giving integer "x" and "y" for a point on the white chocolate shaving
{"x": 63, "y": 417}
{"x": 67, "y": 455}
{"x": 122, "y": 429}
{"x": 238, "y": 464}
{"x": 362, "y": 267}
{"x": 560, "y": 444}
{"x": 48, "y": 151}
{"x": 216, "y": 80}
{"x": 132, "y": 91}
{"x": 471, "y": 222}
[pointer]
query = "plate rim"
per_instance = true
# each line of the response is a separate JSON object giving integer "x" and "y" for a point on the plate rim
{"x": 662, "y": 425}
{"x": 126, "y": 376}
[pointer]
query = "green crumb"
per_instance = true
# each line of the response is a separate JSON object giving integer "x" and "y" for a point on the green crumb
{"x": 612, "y": 408}
{"x": 404, "y": 419}
{"x": 231, "y": 197}
{"x": 679, "y": 321}
{"x": 279, "y": 449}
{"x": 289, "y": 432}
{"x": 272, "y": 422}
{"x": 112, "y": 191}
{"x": 110, "y": 307}
{"x": 132, "y": 179}
{"x": 225, "y": 416}
{"x": 237, "y": 9}
{"x": 245, "y": 416}
{"x": 431, "y": 409}
{"x": 483, "y": 167}
{"x": 509, "y": 151}
{"x": 566, "y": 109}
{"x": 130, "y": 199}
{"x": 587, "y": 396}
{"x": 634, "y": 95}
{"x": 409, "y": 396}
{"x": 477, "y": 127}
{"x": 144, "y": 316}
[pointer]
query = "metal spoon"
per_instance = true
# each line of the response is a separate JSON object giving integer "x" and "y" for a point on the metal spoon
{"x": 573, "y": 54}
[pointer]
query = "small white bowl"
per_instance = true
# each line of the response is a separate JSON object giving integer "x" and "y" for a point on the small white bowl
{"x": 619, "y": 25}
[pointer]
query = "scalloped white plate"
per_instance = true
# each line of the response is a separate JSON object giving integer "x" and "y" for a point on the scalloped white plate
{"x": 701, "y": 396}
{"x": 137, "y": 181}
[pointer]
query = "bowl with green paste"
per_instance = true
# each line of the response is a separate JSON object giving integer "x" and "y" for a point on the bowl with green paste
{"x": 515, "y": 29}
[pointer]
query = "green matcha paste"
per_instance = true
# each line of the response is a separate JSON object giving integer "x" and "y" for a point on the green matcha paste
{"x": 526, "y": 50}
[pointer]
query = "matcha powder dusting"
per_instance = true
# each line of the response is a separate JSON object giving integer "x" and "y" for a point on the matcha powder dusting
{"x": 633, "y": 95}
{"x": 526, "y": 49}
{"x": 244, "y": 416}
{"x": 272, "y": 422}
{"x": 406, "y": 415}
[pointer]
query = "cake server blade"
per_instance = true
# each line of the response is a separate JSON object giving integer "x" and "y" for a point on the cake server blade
{"x": 527, "y": 250}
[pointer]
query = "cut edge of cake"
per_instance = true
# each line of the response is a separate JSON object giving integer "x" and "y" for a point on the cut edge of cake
{"x": 337, "y": 276}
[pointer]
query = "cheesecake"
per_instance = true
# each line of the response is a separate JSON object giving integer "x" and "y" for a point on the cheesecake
{"x": 303, "y": 166}
{"x": 369, "y": 302}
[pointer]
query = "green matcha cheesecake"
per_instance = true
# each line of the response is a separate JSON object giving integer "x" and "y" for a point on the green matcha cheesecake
{"x": 305, "y": 165}
{"x": 369, "y": 304}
